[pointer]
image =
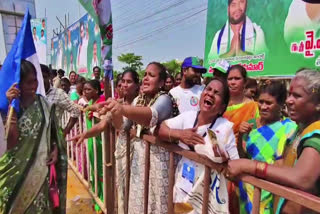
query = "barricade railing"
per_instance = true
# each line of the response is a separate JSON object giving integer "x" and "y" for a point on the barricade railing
{"x": 108, "y": 205}
{"x": 79, "y": 161}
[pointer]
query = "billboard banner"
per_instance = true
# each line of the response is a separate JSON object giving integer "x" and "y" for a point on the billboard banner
{"x": 78, "y": 47}
{"x": 39, "y": 35}
{"x": 267, "y": 37}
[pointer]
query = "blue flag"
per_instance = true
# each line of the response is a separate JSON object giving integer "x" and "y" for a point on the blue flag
{"x": 22, "y": 48}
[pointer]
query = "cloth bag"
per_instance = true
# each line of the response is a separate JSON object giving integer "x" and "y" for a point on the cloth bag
{"x": 189, "y": 183}
{"x": 53, "y": 187}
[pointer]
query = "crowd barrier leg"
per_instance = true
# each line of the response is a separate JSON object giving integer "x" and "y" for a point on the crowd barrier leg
{"x": 171, "y": 183}
{"x": 206, "y": 187}
{"x": 95, "y": 165}
{"x": 128, "y": 172}
{"x": 256, "y": 200}
{"x": 109, "y": 172}
{"x": 104, "y": 168}
{"x": 146, "y": 176}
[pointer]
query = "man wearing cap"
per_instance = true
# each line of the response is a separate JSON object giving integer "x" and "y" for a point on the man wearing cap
{"x": 187, "y": 94}
{"x": 239, "y": 36}
{"x": 219, "y": 70}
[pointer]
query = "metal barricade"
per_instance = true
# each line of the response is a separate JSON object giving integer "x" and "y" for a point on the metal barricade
{"x": 108, "y": 205}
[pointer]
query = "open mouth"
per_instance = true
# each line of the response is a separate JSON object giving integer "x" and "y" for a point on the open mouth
{"x": 208, "y": 103}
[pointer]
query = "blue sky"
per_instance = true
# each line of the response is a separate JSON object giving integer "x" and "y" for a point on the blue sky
{"x": 158, "y": 30}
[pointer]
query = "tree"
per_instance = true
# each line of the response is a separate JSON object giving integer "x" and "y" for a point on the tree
{"x": 131, "y": 60}
{"x": 173, "y": 66}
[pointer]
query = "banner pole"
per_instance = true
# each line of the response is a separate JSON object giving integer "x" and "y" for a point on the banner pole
{"x": 8, "y": 122}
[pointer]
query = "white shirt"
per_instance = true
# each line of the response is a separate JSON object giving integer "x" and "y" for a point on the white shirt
{"x": 187, "y": 99}
{"x": 222, "y": 128}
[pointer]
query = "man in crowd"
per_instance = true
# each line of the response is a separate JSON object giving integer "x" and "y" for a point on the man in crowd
{"x": 220, "y": 69}
{"x": 56, "y": 80}
{"x": 239, "y": 36}
{"x": 65, "y": 85}
{"x": 73, "y": 81}
{"x": 97, "y": 76}
{"x": 62, "y": 101}
{"x": 187, "y": 94}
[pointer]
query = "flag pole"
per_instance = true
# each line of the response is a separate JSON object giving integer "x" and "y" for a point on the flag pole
{"x": 8, "y": 122}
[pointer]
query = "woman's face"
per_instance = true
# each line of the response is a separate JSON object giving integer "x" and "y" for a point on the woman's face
{"x": 168, "y": 84}
{"x": 269, "y": 109}
{"x": 151, "y": 83}
{"x": 72, "y": 78}
{"x": 178, "y": 80}
{"x": 211, "y": 100}
{"x": 28, "y": 85}
{"x": 89, "y": 92}
{"x": 235, "y": 82}
{"x": 301, "y": 107}
{"x": 128, "y": 86}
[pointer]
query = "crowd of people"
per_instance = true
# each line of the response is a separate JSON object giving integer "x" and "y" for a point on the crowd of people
{"x": 263, "y": 128}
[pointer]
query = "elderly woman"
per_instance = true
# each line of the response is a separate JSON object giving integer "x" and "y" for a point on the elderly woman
{"x": 264, "y": 139}
{"x": 148, "y": 110}
{"x": 192, "y": 128}
{"x": 302, "y": 157}
{"x": 33, "y": 145}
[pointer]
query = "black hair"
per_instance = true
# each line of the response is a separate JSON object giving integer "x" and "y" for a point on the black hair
{"x": 81, "y": 79}
{"x": 42, "y": 30}
{"x": 53, "y": 72}
{"x": 45, "y": 69}
{"x": 226, "y": 93}
{"x": 60, "y": 71}
{"x": 95, "y": 84}
{"x": 171, "y": 77}
{"x": 26, "y": 68}
{"x": 72, "y": 72}
{"x": 240, "y": 68}
{"x": 43, "y": 20}
{"x": 162, "y": 70}
{"x": 65, "y": 80}
{"x": 251, "y": 83}
{"x": 134, "y": 75}
{"x": 96, "y": 67}
{"x": 276, "y": 89}
{"x": 34, "y": 28}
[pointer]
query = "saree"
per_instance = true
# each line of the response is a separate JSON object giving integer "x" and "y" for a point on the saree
{"x": 159, "y": 159}
{"x": 24, "y": 175}
{"x": 309, "y": 137}
{"x": 238, "y": 114}
{"x": 98, "y": 142}
{"x": 265, "y": 144}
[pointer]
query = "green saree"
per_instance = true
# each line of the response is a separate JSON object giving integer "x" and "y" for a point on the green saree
{"x": 24, "y": 175}
{"x": 89, "y": 116}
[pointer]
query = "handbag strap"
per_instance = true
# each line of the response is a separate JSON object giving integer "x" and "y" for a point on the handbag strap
{"x": 53, "y": 175}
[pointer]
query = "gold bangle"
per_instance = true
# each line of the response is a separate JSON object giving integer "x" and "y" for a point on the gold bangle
{"x": 261, "y": 169}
